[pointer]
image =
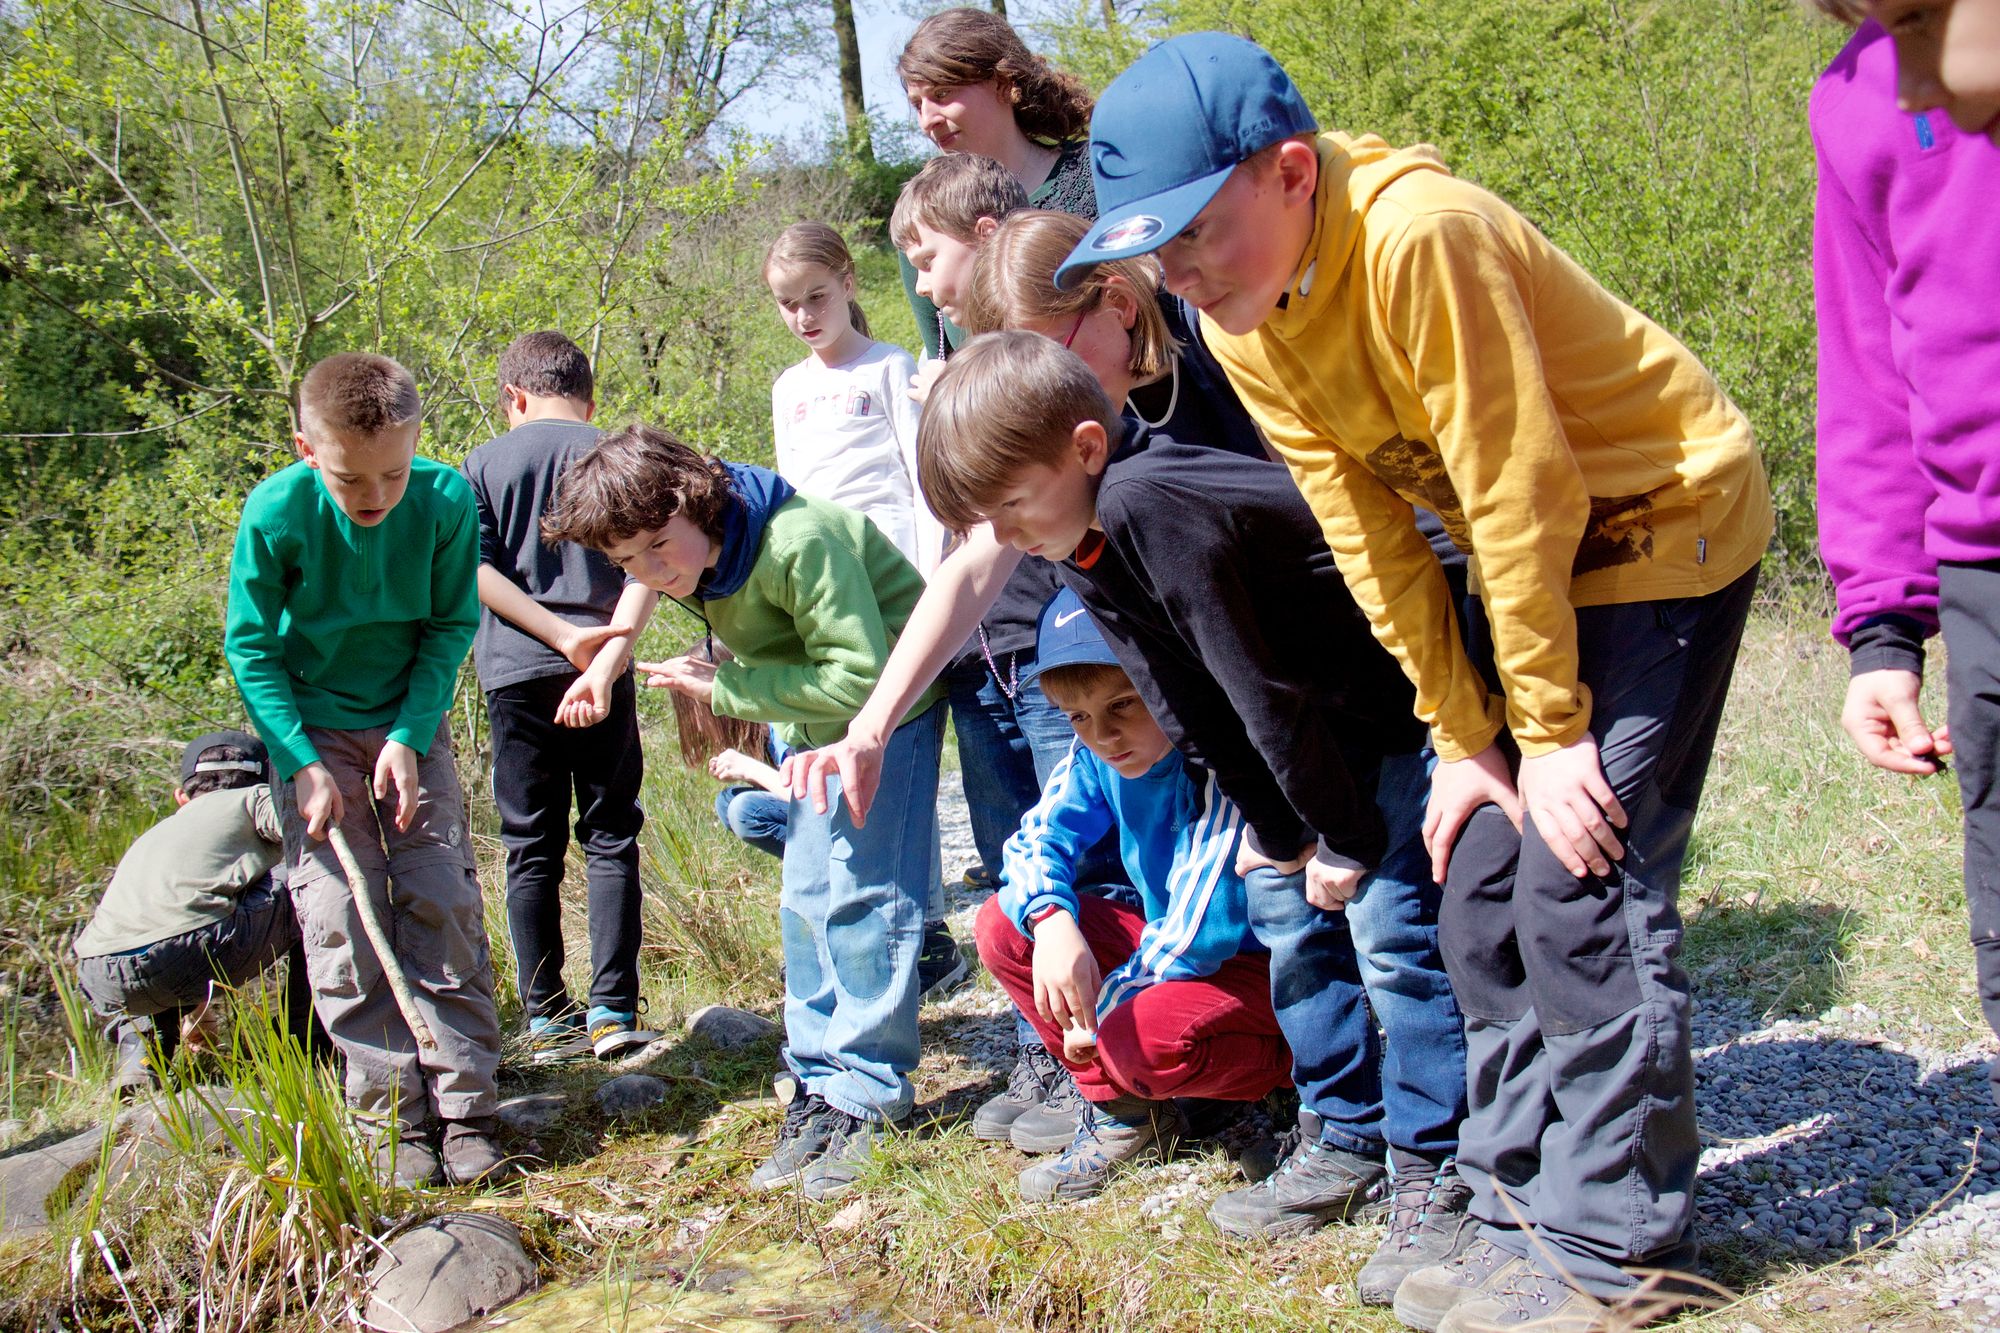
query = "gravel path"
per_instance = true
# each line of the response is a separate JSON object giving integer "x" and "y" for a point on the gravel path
{"x": 1820, "y": 1138}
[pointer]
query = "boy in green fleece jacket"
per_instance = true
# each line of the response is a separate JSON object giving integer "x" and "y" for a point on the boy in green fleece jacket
{"x": 809, "y": 598}
{"x": 352, "y": 600}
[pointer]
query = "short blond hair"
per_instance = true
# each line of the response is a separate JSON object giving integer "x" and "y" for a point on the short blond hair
{"x": 1014, "y": 281}
{"x": 950, "y": 194}
{"x": 1005, "y": 402}
{"x": 358, "y": 393}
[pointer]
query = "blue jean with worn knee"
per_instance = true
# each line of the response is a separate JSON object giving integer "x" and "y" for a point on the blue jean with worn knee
{"x": 756, "y": 816}
{"x": 1336, "y": 975}
{"x": 852, "y": 914}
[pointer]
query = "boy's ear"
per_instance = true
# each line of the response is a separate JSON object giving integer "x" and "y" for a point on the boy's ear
{"x": 180, "y": 796}
{"x": 589, "y": 408}
{"x": 303, "y": 448}
{"x": 1092, "y": 445}
{"x": 984, "y": 228}
{"x": 1298, "y": 170}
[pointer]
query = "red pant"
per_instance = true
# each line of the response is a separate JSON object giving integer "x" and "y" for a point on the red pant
{"x": 1212, "y": 1036}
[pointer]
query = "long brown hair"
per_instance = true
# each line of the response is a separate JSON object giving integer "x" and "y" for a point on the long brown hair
{"x": 704, "y": 733}
{"x": 958, "y": 47}
{"x": 816, "y": 243}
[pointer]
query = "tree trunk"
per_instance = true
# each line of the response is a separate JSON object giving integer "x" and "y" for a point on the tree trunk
{"x": 853, "y": 100}
{"x": 1111, "y": 15}
{"x": 1000, "y": 8}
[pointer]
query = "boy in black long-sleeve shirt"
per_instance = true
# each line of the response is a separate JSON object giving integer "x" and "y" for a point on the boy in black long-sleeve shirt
{"x": 1215, "y": 588}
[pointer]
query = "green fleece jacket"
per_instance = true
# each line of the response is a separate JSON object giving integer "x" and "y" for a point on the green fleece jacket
{"x": 345, "y": 627}
{"x": 826, "y": 601}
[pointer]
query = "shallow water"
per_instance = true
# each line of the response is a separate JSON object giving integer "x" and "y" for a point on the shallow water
{"x": 777, "y": 1289}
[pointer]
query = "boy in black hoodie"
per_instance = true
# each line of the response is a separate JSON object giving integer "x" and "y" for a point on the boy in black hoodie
{"x": 1210, "y": 579}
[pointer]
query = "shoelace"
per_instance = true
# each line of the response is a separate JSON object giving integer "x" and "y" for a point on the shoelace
{"x": 1064, "y": 1098}
{"x": 1031, "y": 1075}
{"x": 1411, "y": 1202}
{"x": 798, "y": 1115}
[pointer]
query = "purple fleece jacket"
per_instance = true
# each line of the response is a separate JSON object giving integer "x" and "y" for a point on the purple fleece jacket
{"x": 1906, "y": 266}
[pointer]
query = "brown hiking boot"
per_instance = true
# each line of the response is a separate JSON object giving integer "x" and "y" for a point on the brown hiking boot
{"x": 472, "y": 1154}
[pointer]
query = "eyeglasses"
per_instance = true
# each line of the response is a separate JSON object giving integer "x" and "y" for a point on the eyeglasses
{"x": 1070, "y": 337}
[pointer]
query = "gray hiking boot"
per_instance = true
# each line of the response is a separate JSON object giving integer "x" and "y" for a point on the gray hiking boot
{"x": 1528, "y": 1299}
{"x": 1428, "y": 1224}
{"x": 1035, "y": 1072}
{"x": 1109, "y": 1135}
{"x": 1317, "y": 1183}
{"x": 1429, "y": 1293}
{"x": 471, "y": 1152}
{"x": 800, "y": 1139}
{"x": 406, "y": 1159}
{"x": 1050, "y": 1126}
{"x": 133, "y": 1075}
{"x": 849, "y": 1151}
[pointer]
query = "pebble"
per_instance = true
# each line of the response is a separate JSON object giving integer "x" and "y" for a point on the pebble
{"x": 533, "y": 1112}
{"x": 728, "y": 1027}
{"x": 630, "y": 1094}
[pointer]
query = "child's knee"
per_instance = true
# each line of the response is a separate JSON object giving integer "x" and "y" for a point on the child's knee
{"x": 996, "y": 937}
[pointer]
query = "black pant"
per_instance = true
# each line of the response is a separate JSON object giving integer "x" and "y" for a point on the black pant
{"x": 536, "y": 766}
{"x": 1969, "y": 609}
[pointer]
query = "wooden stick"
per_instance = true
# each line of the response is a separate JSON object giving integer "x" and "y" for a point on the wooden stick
{"x": 371, "y": 925}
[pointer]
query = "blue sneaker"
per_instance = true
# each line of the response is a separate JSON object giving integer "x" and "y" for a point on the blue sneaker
{"x": 613, "y": 1034}
{"x": 1110, "y": 1135}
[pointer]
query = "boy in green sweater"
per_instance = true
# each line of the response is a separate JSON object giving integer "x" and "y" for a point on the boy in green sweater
{"x": 809, "y": 598}
{"x": 352, "y": 601}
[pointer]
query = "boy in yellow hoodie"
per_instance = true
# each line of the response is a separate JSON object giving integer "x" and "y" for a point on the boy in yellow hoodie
{"x": 1403, "y": 336}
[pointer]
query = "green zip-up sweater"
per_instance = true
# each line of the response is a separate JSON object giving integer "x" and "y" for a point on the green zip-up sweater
{"x": 344, "y": 627}
{"x": 826, "y": 601}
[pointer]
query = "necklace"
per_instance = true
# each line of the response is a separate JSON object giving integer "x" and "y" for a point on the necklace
{"x": 1173, "y": 401}
{"x": 1010, "y": 684}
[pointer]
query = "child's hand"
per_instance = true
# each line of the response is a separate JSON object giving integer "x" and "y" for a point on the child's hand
{"x": 319, "y": 800}
{"x": 1884, "y": 720}
{"x": 580, "y": 644}
{"x": 1574, "y": 808}
{"x": 396, "y": 770}
{"x": 1331, "y": 888}
{"x": 692, "y": 676}
{"x": 729, "y": 766}
{"x": 1066, "y": 975}
{"x": 927, "y": 373}
{"x": 587, "y": 701}
{"x": 855, "y": 759}
{"x": 1459, "y": 787}
{"x": 1249, "y": 858}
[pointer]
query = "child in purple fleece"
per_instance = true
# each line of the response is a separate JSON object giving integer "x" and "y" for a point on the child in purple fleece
{"x": 1909, "y": 439}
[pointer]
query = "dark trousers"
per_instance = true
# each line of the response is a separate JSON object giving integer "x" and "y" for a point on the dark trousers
{"x": 1969, "y": 610}
{"x": 1579, "y": 1065}
{"x": 537, "y": 765}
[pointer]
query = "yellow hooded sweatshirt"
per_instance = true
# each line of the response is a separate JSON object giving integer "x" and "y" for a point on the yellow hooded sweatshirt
{"x": 1435, "y": 347}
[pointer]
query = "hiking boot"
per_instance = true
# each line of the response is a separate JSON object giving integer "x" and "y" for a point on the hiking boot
{"x": 1035, "y": 1072}
{"x": 801, "y": 1138}
{"x": 613, "y": 1034}
{"x": 941, "y": 968}
{"x": 556, "y": 1040}
{"x": 1429, "y": 1293}
{"x": 406, "y": 1159}
{"x": 1050, "y": 1126}
{"x": 1428, "y": 1224}
{"x": 472, "y": 1155}
{"x": 1316, "y": 1183}
{"x": 1109, "y": 1135}
{"x": 1529, "y": 1299}
{"x": 133, "y": 1075}
{"x": 849, "y": 1151}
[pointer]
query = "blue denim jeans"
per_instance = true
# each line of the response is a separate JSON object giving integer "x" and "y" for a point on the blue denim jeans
{"x": 852, "y": 913}
{"x": 1006, "y": 747}
{"x": 755, "y": 816}
{"x": 1336, "y": 975}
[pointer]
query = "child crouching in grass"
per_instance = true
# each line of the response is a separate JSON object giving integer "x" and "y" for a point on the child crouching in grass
{"x": 809, "y": 598}
{"x": 1168, "y": 999}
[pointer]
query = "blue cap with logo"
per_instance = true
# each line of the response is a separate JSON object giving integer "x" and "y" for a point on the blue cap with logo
{"x": 1069, "y": 636}
{"x": 1167, "y": 133}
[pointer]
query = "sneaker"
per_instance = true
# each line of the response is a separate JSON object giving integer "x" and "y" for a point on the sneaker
{"x": 556, "y": 1040}
{"x": 1261, "y": 1159}
{"x": 1530, "y": 1299}
{"x": 941, "y": 968}
{"x": 979, "y": 879}
{"x": 133, "y": 1075}
{"x": 1316, "y": 1184}
{"x": 1050, "y": 1126}
{"x": 471, "y": 1153}
{"x": 849, "y": 1151}
{"x": 1429, "y": 1293}
{"x": 406, "y": 1159}
{"x": 1035, "y": 1072}
{"x": 1109, "y": 1135}
{"x": 613, "y": 1034}
{"x": 1428, "y": 1224}
{"x": 801, "y": 1138}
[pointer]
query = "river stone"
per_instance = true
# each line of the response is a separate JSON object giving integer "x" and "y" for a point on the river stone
{"x": 444, "y": 1272}
{"x": 38, "y": 1184}
{"x": 532, "y": 1113}
{"x": 631, "y": 1094}
{"x": 728, "y": 1027}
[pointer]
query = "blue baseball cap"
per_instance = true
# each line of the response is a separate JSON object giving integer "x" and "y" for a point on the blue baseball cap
{"x": 1068, "y": 636}
{"x": 1167, "y": 133}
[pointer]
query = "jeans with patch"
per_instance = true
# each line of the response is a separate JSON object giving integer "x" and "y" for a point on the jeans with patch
{"x": 1336, "y": 976}
{"x": 756, "y": 816}
{"x": 1581, "y": 1146}
{"x": 852, "y": 913}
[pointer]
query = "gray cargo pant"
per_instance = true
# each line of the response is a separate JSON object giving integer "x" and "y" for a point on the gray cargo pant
{"x": 435, "y": 919}
{"x": 1580, "y": 1144}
